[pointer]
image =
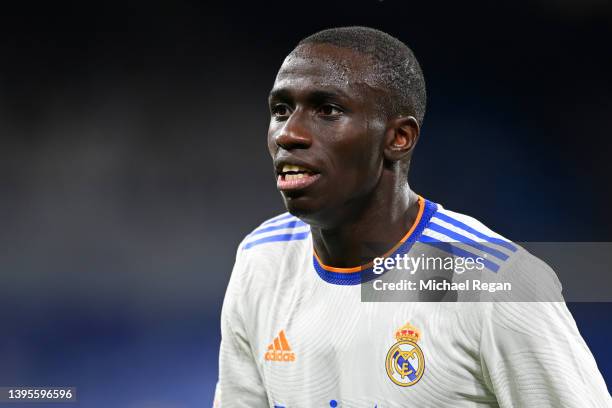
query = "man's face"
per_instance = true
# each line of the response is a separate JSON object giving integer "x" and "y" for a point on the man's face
{"x": 326, "y": 131}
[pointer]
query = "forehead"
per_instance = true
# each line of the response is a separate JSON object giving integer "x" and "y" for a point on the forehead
{"x": 326, "y": 66}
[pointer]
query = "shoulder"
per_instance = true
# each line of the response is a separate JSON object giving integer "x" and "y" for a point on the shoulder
{"x": 465, "y": 236}
{"x": 467, "y": 226}
{"x": 283, "y": 238}
{"x": 275, "y": 233}
{"x": 270, "y": 253}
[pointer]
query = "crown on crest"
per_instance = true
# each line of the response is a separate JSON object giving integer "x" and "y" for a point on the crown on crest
{"x": 408, "y": 332}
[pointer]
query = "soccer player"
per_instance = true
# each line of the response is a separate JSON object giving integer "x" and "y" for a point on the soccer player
{"x": 346, "y": 110}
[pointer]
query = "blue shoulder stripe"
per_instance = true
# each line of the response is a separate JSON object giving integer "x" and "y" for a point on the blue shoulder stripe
{"x": 451, "y": 249}
{"x": 463, "y": 239}
{"x": 277, "y": 238}
{"x": 277, "y": 218}
{"x": 471, "y": 230}
{"x": 291, "y": 224}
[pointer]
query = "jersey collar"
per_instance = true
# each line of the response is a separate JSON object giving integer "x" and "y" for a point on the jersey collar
{"x": 364, "y": 273}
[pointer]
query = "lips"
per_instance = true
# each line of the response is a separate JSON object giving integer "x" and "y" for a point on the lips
{"x": 295, "y": 177}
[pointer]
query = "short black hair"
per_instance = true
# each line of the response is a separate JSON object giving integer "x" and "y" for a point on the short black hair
{"x": 397, "y": 68}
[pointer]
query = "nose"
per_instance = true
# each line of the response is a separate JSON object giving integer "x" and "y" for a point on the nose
{"x": 294, "y": 134}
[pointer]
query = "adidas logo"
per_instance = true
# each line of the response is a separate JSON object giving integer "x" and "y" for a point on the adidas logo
{"x": 279, "y": 349}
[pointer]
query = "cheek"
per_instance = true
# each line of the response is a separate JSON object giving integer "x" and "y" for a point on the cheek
{"x": 360, "y": 160}
{"x": 368, "y": 169}
{"x": 272, "y": 147}
{"x": 367, "y": 152}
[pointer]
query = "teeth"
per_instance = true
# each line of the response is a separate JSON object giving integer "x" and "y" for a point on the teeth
{"x": 295, "y": 176}
{"x": 292, "y": 167}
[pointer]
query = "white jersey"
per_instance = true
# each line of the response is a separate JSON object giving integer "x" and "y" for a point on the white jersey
{"x": 296, "y": 333}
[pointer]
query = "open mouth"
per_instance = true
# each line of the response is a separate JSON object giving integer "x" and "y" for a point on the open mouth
{"x": 293, "y": 177}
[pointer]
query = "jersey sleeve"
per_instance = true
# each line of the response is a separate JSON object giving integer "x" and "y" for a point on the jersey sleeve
{"x": 534, "y": 356}
{"x": 239, "y": 383}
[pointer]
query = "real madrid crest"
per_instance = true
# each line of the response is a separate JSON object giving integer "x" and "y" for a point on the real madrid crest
{"x": 405, "y": 361}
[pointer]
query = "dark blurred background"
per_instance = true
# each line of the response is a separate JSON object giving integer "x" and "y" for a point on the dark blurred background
{"x": 133, "y": 161}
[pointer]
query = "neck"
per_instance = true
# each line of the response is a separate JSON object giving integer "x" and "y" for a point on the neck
{"x": 380, "y": 221}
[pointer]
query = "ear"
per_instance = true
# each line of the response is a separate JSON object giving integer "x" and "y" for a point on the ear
{"x": 401, "y": 137}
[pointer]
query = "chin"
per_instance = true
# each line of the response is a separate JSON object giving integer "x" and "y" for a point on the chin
{"x": 300, "y": 207}
{"x": 312, "y": 212}
{"x": 305, "y": 208}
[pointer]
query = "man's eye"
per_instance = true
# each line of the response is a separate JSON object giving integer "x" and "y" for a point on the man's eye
{"x": 280, "y": 111}
{"x": 330, "y": 110}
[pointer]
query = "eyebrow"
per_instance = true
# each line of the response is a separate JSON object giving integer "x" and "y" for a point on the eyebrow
{"x": 317, "y": 95}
